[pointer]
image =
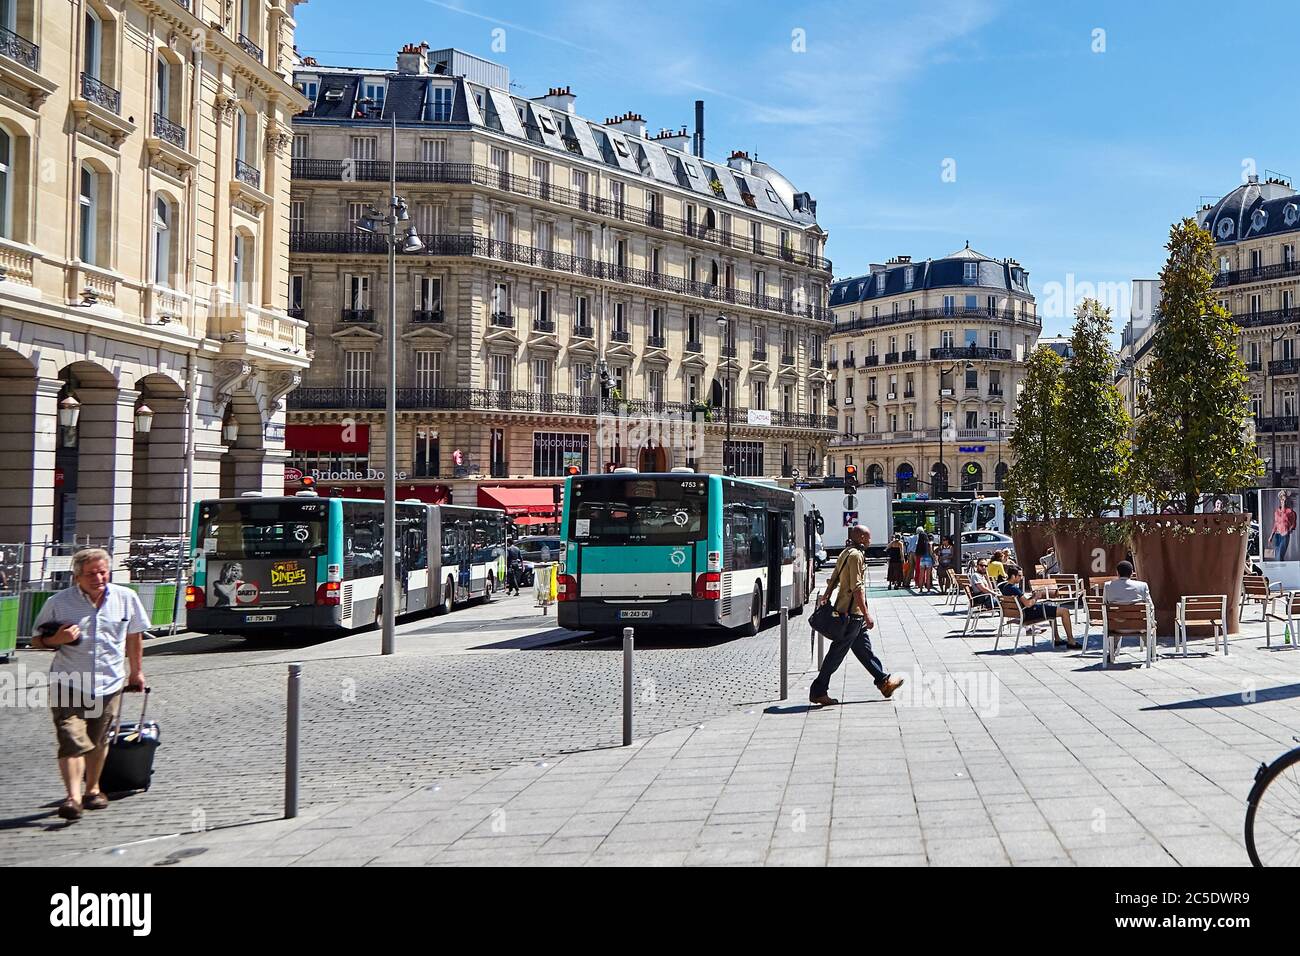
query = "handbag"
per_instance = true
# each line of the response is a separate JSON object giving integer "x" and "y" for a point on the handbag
{"x": 826, "y": 621}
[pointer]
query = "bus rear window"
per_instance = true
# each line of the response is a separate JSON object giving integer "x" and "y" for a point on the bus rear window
{"x": 638, "y": 511}
{"x": 263, "y": 529}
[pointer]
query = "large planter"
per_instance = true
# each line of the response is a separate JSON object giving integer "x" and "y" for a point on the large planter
{"x": 1032, "y": 539}
{"x": 1178, "y": 555}
{"x": 1083, "y": 548}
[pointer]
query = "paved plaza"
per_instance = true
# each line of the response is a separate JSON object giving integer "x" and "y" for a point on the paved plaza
{"x": 455, "y": 752}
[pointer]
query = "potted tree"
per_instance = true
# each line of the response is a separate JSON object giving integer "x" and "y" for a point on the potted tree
{"x": 1093, "y": 449}
{"x": 1033, "y": 483}
{"x": 1193, "y": 437}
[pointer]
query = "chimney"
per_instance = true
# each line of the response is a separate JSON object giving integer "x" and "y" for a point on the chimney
{"x": 673, "y": 140}
{"x": 558, "y": 98}
{"x": 631, "y": 123}
{"x": 739, "y": 160}
{"x": 413, "y": 60}
{"x": 697, "y": 146}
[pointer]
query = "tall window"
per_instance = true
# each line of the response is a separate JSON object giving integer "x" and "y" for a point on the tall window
{"x": 657, "y": 322}
{"x": 162, "y": 241}
{"x": 759, "y": 395}
{"x": 500, "y": 372}
{"x": 582, "y": 243}
{"x": 693, "y": 327}
{"x": 971, "y": 273}
{"x": 358, "y": 291}
{"x": 428, "y": 368}
{"x": 301, "y": 145}
{"x": 6, "y": 183}
{"x": 93, "y": 44}
{"x": 356, "y": 212}
{"x": 655, "y": 386}
{"x": 543, "y": 314}
{"x": 426, "y": 457}
{"x": 88, "y": 207}
{"x": 356, "y": 368}
{"x": 363, "y": 147}
{"x": 374, "y": 90}
{"x": 580, "y": 378}
{"x": 433, "y": 150}
{"x": 163, "y": 94}
{"x": 298, "y": 216}
{"x": 430, "y": 294}
{"x": 243, "y": 269}
{"x": 297, "y": 292}
{"x": 582, "y": 313}
{"x": 440, "y": 105}
{"x": 949, "y": 305}
{"x": 243, "y": 135}
{"x": 995, "y": 339}
{"x": 501, "y": 298}
{"x": 545, "y": 235}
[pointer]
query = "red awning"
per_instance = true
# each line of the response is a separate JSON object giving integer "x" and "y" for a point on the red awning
{"x": 518, "y": 501}
{"x": 533, "y": 520}
{"x": 341, "y": 438}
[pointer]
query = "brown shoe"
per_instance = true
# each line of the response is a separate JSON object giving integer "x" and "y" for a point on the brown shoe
{"x": 95, "y": 801}
{"x": 823, "y": 701}
{"x": 890, "y": 685}
{"x": 70, "y": 809}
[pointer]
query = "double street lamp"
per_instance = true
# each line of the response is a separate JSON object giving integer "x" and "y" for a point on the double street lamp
{"x": 387, "y": 225}
{"x": 935, "y": 472}
{"x": 999, "y": 427}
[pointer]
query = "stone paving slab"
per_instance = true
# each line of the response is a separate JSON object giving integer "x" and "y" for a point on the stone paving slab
{"x": 989, "y": 757}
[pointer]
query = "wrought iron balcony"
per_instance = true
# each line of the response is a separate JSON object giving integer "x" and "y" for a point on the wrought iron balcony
{"x": 833, "y": 364}
{"x": 1254, "y": 320}
{"x": 358, "y": 315}
{"x": 100, "y": 93}
{"x": 1284, "y": 367}
{"x": 251, "y": 48}
{"x": 909, "y": 393}
{"x": 924, "y": 315}
{"x": 1277, "y": 423}
{"x": 470, "y": 173}
{"x": 760, "y": 355}
{"x": 870, "y": 361}
{"x": 425, "y": 316}
{"x": 815, "y": 362}
{"x": 1258, "y": 273}
{"x": 583, "y": 332}
{"x": 696, "y": 347}
{"x": 909, "y": 355}
{"x": 167, "y": 131}
{"x": 17, "y": 48}
{"x": 968, "y": 353}
{"x": 1254, "y": 366}
{"x": 850, "y": 361}
{"x": 891, "y": 358}
{"x": 728, "y": 351}
{"x": 656, "y": 342}
{"x": 503, "y": 320}
{"x": 620, "y": 335}
{"x": 247, "y": 174}
{"x": 544, "y": 325}
{"x": 787, "y": 358}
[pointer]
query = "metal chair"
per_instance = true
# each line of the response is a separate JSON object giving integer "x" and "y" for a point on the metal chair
{"x": 1291, "y": 604}
{"x": 1093, "y": 618}
{"x": 1256, "y": 589}
{"x": 1069, "y": 590}
{"x": 1127, "y": 620}
{"x": 1013, "y": 611}
{"x": 956, "y": 582}
{"x": 1202, "y": 610}
{"x": 974, "y": 609}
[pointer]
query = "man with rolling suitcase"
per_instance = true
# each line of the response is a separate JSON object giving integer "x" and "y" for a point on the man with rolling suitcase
{"x": 96, "y": 630}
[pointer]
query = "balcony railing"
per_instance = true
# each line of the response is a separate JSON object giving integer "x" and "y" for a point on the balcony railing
{"x": 909, "y": 393}
{"x": 469, "y": 173}
{"x": 17, "y": 48}
{"x": 252, "y": 176}
{"x": 870, "y": 361}
{"x": 522, "y": 401}
{"x": 100, "y": 93}
{"x": 167, "y": 131}
{"x": 787, "y": 358}
{"x": 358, "y": 315}
{"x": 1254, "y": 366}
{"x": 583, "y": 332}
{"x": 295, "y": 312}
{"x": 426, "y": 316}
{"x": 1277, "y": 423}
{"x": 891, "y": 358}
{"x": 544, "y": 325}
{"x": 850, "y": 361}
{"x": 251, "y": 48}
{"x": 1254, "y": 320}
{"x": 656, "y": 342}
{"x": 968, "y": 353}
{"x": 696, "y": 347}
{"x": 909, "y": 355}
{"x": 728, "y": 351}
{"x": 503, "y": 320}
{"x": 1257, "y": 273}
{"x": 833, "y": 364}
{"x": 925, "y": 315}
{"x": 815, "y": 362}
{"x": 620, "y": 335}
{"x": 1284, "y": 366}
{"x": 480, "y": 246}
{"x": 760, "y": 355}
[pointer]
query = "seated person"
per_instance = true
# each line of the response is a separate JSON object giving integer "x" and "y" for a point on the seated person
{"x": 997, "y": 570}
{"x": 1036, "y": 610}
{"x": 1124, "y": 590}
{"x": 981, "y": 590}
{"x": 1050, "y": 564}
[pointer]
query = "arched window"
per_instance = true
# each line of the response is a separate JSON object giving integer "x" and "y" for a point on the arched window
{"x": 244, "y": 272}
{"x": 6, "y": 182}
{"x": 93, "y": 44}
{"x": 162, "y": 240}
{"x": 88, "y": 208}
{"x": 164, "y": 92}
{"x": 241, "y": 136}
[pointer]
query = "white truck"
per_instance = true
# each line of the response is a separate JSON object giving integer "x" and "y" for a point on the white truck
{"x": 870, "y": 507}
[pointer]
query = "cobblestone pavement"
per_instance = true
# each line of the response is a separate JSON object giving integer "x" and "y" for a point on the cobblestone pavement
{"x": 483, "y": 688}
{"x": 987, "y": 756}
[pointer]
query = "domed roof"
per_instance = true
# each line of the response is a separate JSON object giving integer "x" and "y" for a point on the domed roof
{"x": 1253, "y": 209}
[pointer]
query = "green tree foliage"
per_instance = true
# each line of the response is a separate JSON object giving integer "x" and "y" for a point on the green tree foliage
{"x": 1033, "y": 481}
{"x": 1093, "y": 443}
{"x": 1192, "y": 436}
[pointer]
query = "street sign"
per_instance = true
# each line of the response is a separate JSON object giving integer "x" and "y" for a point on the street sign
{"x": 850, "y": 502}
{"x": 850, "y": 518}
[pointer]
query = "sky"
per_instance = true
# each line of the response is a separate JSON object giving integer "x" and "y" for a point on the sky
{"x": 1067, "y": 135}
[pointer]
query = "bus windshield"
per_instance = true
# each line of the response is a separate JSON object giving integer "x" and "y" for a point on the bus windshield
{"x": 655, "y": 511}
{"x": 263, "y": 529}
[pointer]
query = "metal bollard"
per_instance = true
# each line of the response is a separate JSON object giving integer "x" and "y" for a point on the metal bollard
{"x": 627, "y": 687}
{"x": 785, "y": 652}
{"x": 293, "y": 719}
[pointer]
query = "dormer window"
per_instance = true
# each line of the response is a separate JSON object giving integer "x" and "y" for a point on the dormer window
{"x": 309, "y": 89}
{"x": 1258, "y": 219}
{"x": 771, "y": 194}
{"x": 1290, "y": 213}
{"x": 971, "y": 273}
{"x": 374, "y": 90}
{"x": 692, "y": 171}
{"x": 909, "y": 276}
{"x": 620, "y": 148}
{"x": 547, "y": 125}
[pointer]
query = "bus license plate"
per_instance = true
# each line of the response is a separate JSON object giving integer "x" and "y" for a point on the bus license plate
{"x": 634, "y": 615}
{"x": 259, "y": 618}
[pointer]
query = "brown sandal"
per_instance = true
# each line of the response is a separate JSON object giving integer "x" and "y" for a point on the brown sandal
{"x": 70, "y": 809}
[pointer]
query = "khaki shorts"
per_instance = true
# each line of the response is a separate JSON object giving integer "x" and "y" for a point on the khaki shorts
{"x": 85, "y": 728}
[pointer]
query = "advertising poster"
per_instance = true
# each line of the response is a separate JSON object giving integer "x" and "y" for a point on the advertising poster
{"x": 1279, "y": 542}
{"x": 251, "y": 583}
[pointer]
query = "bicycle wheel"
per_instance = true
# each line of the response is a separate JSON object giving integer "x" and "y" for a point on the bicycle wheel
{"x": 1273, "y": 813}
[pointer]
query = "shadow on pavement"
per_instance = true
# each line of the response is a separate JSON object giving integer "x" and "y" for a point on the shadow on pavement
{"x": 1239, "y": 699}
{"x": 234, "y": 643}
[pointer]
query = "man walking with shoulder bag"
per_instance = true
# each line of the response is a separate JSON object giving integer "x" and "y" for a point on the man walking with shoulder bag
{"x": 849, "y": 579}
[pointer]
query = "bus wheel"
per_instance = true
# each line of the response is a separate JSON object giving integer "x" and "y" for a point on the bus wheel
{"x": 755, "y": 614}
{"x": 448, "y": 596}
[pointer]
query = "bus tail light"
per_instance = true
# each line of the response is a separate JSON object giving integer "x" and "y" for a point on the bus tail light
{"x": 708, "y": 586}
{"x": 194, "y": 597}
{"x": 327, "y": 595}
{"x": 566, "y": 588}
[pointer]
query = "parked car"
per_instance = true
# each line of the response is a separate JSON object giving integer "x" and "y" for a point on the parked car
{"x": 982, "y": 544}
{"x": 537, "y": 549}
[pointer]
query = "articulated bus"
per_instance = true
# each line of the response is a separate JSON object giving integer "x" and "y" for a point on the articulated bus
{"x": 276, "y": 564}
{"x": 679, "y": 550}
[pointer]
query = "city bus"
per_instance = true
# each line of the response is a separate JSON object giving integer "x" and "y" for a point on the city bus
{"x": 680, "y": 551}
{"x": 276, "y": 564}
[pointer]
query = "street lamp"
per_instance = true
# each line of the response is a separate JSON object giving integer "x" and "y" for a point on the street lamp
{"x": 387, "y": 226}
{"x": 230, "y": 429}
{"x": 724, "y": 329}
{"x": 143, "y": 419}
{"x": 999, "y": 427}
{"x": 1272, "y": 395}
{"x": 942, "y": 372}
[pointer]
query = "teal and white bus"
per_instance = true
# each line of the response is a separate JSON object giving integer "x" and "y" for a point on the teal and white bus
{"x": 304, "y": 563}
{"x": 678, "y": 551}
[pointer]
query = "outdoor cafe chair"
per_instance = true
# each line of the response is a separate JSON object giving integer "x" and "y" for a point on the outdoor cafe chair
{"x": 1069, "y": 590}
{"x": 956, "y": 582}
{"x": 1097, "y": 582}
{"x": 1291, "y": 608}
{"x": 1202, "y": 610}
{"x": 1013, "y": 612}
{"x": 1094, "y": 618}
{"x": 1127, "y": 620}
{"x": 1256, "y": 589}
{"x": 974, "y": 609}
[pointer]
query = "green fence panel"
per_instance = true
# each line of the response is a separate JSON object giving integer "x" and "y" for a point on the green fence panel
{"x": 8, "y": 624}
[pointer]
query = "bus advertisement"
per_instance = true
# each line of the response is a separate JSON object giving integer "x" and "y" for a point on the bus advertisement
{"x": 679, "y": 551}
{"x": 277, "y": 564}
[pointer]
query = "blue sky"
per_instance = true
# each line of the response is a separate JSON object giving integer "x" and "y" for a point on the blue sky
{"x": 1073, "y": 159}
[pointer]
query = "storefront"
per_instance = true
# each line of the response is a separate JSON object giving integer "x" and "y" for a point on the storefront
{"x": 533, "y": 508}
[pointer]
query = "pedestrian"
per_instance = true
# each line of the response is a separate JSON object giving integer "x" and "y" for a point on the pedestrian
{"x": 997, "y": 570}
{"x": 894, "y": 571}
{"x": 514, "y": 566}
{"x": 848, "y": 580}
{"x": 1049, "y": 562}
{"x": 1036, "y": 610}
{"x": 946, "y": 564}
{"x": 924, "y": 561}
{"x": 96, "y": 630}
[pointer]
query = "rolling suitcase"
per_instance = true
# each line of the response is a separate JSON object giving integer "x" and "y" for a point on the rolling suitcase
{"x": 131, "y": 751}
